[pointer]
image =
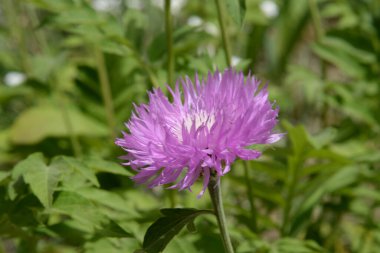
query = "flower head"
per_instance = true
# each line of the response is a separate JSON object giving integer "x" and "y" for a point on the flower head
{"x": 207, "y": 125}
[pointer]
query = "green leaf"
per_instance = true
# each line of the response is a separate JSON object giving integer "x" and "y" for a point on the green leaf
{"x": 291, "y": 245}
{"x": 236, "y": 9}
{"x": 337, "y": 54}
{"x": 165, "y": 228}
{"x": 76, "y": 166}
{"x": 100, "y": 165}
{"x": 78, "y": 16}
{"x": 111, "y": 245}
{"x": 4, "y": 175}
{"x": 288, "y": 28}
{"x": 41, "y": 178}
{"x": 191, "y": 227}
{"x": 111, "y": 200}
{"x": 43, "y": 67}
{"x": 8, "y": 93}
{"x": 325, "y": 184}
{"x": 111, "y": 229}
{"x": 40, "y": 122}
{"x": 80, "y": 209}
{"x": 181, "y": 245}
{"x": 299, "y": 138}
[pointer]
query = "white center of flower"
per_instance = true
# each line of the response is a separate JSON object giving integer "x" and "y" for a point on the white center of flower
{"x": 201, "y": 118}
{"x": 188, "y": 120}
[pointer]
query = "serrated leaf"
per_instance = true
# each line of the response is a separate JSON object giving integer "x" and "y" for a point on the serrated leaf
{"x": 79, "y": 209}
{"x": 41, "y": 178}
{"x": 106, "y": 198}
{"x": 77, "y": 166}
{"x": 165, "y": 228}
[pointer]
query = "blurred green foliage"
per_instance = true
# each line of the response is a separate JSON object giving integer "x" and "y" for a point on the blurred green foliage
{"x": 61, "y": 188}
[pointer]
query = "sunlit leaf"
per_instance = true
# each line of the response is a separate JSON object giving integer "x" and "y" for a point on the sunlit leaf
{"x": 38, "y": 123}
{"x": 41, "y": 178}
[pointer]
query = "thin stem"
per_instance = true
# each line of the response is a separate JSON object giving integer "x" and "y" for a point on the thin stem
{"x": 76, "y": 147}
{"x": 292, "y": 181}
{"x": 169, "y": 41}
{"x": 316, "y": 19}
{"x": 106, "y": 91}
{"x": 222, "y": 24}
{"x": 318, "y": 30}
{"x": 214, "y": 188}
{"x": 320, "y": 33}
{"x": 172, "y": 196}
{"x": 40, "y": 33}
{"x": 15, "y": 20}
{"x": 250, "y": 196}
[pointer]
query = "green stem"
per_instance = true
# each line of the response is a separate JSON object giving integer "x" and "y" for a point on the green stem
{"x": 14, "y": 21}
{"x": 169, "y": 41}
{"x": 77, "y": 149}
{"x": 214, "y": 188}
{"x": 293, "y": 178}
{"x": 147, "y": 69}
{"x": 106, "y": 91}
{"x": 316, "y": 19}
{"x": 172, "y": 196}
{"x": 39, "y": 34}
{"x": 318, "y": 30}
{"x": 250, "y": 196}
{"x": 222, "y": 24}
{"x": 320, "y": 33}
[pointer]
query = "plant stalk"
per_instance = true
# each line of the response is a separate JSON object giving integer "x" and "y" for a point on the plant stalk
{"x": 169, "y": 41}
{"x": 214, "y": 188}
{"x": 250, "y": 196}
{"x": 14, "y": 17}
{"x": 222, "y": 24}
{"x": 292, "y": 181}
{"x": 106, "y": 91}
{"x": 75, "y": 144}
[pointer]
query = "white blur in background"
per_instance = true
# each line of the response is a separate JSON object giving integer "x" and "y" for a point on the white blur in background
{"x": 106, "y": 5}
{"x": 14, "y": 78}
{"x": 176, "y": 6}
{"x": 235, "y": 60}
{"x": 269, "y": 8}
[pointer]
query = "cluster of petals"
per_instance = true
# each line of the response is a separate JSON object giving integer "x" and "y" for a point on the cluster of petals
{"x": 200, "y": 131}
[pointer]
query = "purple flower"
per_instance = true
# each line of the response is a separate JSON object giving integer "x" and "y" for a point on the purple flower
{"x": 206, "y": 126}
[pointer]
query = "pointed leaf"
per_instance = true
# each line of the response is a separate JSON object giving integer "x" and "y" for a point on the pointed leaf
{"x": 236, "y": 9}
{"x": 77, "y": 167}
{"x": 41, "y": 178}
{"x": 100, "y": 165}
{"x": 162, "y": 231}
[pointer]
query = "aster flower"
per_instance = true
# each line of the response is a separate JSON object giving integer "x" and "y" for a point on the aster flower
{"x": 206, "y": 126}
